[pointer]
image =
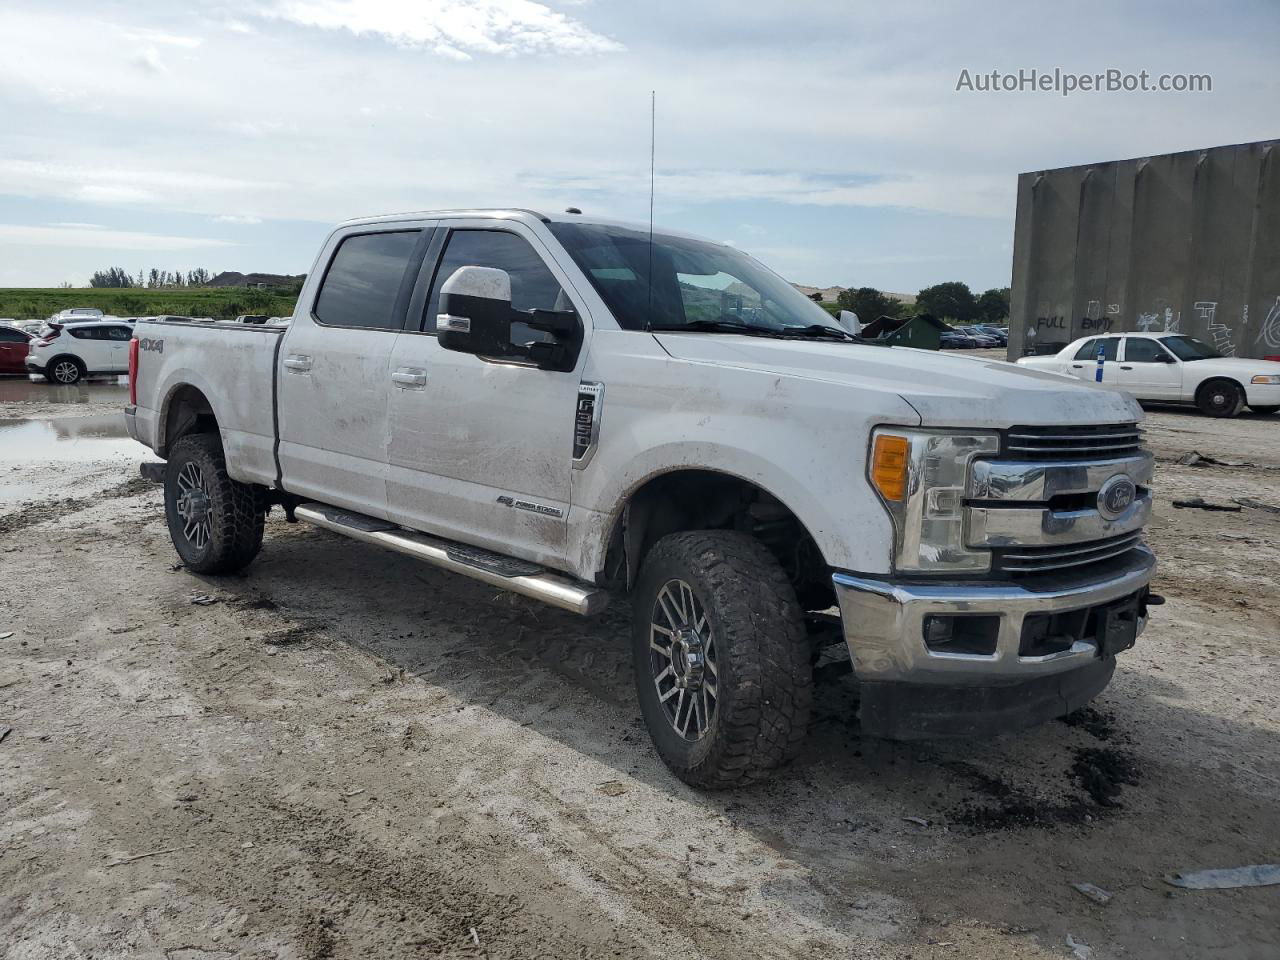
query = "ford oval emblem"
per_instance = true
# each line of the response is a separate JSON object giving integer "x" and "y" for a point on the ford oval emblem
{"x": 1116, "y": 496}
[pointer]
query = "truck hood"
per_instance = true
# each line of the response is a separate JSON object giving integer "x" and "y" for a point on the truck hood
{"x": 946, "y": 390}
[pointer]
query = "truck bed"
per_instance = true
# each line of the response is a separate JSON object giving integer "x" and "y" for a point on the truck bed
{"x": 232, "y": 365}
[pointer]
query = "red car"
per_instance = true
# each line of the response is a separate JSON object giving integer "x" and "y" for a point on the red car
{"x": 13, "y": 350}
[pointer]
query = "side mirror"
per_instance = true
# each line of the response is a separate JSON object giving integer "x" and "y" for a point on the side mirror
{"x": 475, "y": 312}
{"x": 476, "y": 317}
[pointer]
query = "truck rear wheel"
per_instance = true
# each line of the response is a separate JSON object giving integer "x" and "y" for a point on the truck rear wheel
{"x": 721, "y": 658}
{"x": 216, "y": 523}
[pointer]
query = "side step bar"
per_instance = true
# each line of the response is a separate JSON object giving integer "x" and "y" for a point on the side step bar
{"x": 526, "y": 579}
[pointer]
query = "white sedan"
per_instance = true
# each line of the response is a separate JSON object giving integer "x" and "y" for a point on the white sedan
{"x": 1173, "y": 368}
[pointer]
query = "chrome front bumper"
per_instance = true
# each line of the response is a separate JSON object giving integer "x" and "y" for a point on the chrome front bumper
{"x": 884, "y": 623}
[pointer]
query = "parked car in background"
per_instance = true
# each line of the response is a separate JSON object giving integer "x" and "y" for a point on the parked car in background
{"x": 954, "y": 340}
{"x": 982, "y": 339}
{"x": 13, "y": 349}
{"x": 999, "y": 334}
{"x": 66, "y": 352}
{"x": 76, "y": 313}
{"x": 1172, "y": 368}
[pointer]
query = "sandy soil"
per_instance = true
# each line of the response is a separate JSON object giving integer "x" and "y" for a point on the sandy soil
{"x": 349, "y": 754}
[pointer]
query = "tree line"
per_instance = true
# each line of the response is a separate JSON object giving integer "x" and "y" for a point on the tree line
{"x": 152, "y": 279}
{"x": 952, "y": 301}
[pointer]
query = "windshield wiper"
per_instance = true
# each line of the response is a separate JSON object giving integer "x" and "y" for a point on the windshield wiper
{"x": 710, "y": 326}
{"x": 812, "y": 331}
{"x": 822, "y": 330}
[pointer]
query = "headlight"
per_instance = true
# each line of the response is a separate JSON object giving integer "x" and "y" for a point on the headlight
{"x": 1266, "y": 378}
{"x": 921, "y": 476}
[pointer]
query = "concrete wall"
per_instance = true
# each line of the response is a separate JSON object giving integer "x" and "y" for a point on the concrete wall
{"x": 1186, "y": 242}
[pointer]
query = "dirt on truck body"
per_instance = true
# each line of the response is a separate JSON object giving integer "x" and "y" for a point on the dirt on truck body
{"x": 348, "y": 754}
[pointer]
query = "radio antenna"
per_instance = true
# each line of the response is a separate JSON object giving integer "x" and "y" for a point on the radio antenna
{"x": 653, "y": 126}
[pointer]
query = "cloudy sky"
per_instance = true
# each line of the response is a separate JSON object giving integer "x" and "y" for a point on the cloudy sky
{"x": 827, "y": 138}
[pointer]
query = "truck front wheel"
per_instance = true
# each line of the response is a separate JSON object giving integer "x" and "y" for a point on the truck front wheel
{"x": 215, "y": 522}
{"x": 721, "y": 658}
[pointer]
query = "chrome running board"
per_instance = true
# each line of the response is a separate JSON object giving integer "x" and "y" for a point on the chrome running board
{"x": 495, "y": 569}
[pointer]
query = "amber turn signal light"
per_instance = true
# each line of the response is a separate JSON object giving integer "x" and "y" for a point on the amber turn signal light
{"x": 889, "y": 465}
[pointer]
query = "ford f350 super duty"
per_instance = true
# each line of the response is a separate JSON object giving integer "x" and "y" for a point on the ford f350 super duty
{"x": 573, "y": 409}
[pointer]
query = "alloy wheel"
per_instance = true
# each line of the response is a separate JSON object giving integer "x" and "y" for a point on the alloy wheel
{"x": 193, "y": 505}
{"x": 682, "y": 658}
{"x": 66, "y": 372}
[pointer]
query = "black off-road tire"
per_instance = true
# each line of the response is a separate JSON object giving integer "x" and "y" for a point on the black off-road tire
{"x": 765, "y": 676}
{"x": 1264, "y": 411}
{"x": 235, "y": 515}
{"x": 1220, "y": 398}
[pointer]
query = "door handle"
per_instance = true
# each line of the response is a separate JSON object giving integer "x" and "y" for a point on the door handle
{"x": 298, "y": 361}
{"x": 409, "y": 377}
{"x": 1078, "y": 366}
{"x": 1123, "y": 367}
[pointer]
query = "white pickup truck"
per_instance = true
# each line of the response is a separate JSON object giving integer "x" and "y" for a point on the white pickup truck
{"x": 573, "y": 409}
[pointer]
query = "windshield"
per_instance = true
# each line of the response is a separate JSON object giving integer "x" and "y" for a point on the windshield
{"x": 696, "y": 285}
{"x": 1189, "y": 348}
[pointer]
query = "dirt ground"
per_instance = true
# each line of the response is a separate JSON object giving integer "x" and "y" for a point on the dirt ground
{"x": 347, "y": 754}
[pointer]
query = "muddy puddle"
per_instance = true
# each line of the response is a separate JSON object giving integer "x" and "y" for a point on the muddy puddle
{"x": 67, "y": 440}
{"x": 29, "y": 390}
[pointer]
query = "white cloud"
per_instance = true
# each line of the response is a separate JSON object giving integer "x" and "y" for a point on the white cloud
{"x": 976, "y": 195}
{"x": 237, "y": 218}
{"x": 111, "y": 182}
{"x": 79, "y": 226}
{"x": 149, "y": 60}
{"x": 98, "y": 238}
{"x": 112, "y": 193}
{"x": 452, "y": 28}
{"x": 167, "y": 39}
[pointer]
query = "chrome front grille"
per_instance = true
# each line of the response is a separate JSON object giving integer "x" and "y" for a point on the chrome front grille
{"x": 1031, "y": 560}
{"x": 1093, "y": 442}
{"x": 1035, "y": 506}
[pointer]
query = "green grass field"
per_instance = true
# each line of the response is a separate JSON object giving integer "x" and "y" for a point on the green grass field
{"x": 217, "y": 302}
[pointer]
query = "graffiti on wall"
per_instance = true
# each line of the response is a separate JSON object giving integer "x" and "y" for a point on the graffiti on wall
{"x": 1223, "y": 336}
{"x": 1093, "y": 321}
{"x": 1271, "y": 326}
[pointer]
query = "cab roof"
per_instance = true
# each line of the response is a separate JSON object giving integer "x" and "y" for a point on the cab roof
{"x": 521, "y": 214}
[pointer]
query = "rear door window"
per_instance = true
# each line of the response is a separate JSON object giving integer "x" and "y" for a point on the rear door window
{"x": 1110, "y": 345}
{"x": 1087, "y": 350}
{"x": 119, "y": 333}
{"x": 364, "y": 279}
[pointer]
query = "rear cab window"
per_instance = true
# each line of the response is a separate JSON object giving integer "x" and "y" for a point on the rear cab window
{"x": 365, "y": 280}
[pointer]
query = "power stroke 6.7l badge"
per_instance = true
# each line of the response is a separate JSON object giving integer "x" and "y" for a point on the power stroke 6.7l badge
{"x": 586, "y": 422}
{"x": 1116, "y": 496}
